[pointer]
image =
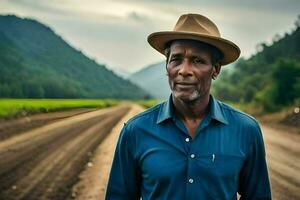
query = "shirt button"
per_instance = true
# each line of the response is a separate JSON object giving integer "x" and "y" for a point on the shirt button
{"x": 191, "y": 180}
{"x": 187, "y": 139}
{"x": 193, "y": 155}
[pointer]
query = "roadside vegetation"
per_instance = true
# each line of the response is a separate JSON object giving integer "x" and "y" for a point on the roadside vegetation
{"x": 21, "y": 107}
{"x": 268, "y": 81}
{"x": 147, "y": 103}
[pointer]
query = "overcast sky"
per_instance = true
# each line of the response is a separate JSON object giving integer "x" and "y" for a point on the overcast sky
{"x": 114, "y": 32}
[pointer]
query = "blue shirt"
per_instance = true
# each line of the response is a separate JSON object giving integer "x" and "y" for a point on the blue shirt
{"x": 156, "y": 159}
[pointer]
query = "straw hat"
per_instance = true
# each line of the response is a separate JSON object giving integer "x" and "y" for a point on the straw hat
{"x": 196, "y": 27}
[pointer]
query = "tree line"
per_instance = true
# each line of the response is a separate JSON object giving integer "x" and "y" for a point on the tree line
{"x": 270, "y": 78}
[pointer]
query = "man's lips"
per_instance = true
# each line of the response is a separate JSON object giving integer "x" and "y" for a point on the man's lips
{"x": 184, "y": 84}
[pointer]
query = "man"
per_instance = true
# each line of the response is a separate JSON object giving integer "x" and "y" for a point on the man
{"x": 192, "y": 146}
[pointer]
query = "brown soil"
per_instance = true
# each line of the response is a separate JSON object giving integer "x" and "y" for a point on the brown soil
{"x": 285, "y": 120}
{"x": 11, "y": 127}
{"x": 94, "y": 178}
{"x": 292, "y": 119}
{"x": 283, "y": 156}
{"x": 44, "y": 163}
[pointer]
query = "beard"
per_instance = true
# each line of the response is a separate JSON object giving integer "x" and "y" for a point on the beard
{"x": 188, "y": 93}
{"x": 187, "y": 98}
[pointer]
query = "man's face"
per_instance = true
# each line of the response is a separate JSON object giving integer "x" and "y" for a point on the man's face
{"x": 190, "y": 70}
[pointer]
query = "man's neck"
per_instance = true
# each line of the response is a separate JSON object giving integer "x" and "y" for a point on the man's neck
{"x": 194, "y": 110}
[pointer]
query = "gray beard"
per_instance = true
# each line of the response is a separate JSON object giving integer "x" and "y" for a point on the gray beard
{"x": 195, "y": 95}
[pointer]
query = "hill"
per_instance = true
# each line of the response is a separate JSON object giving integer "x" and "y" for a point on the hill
{"x": 153, "y": 79}
{"x": 37, "y": 63}
{"x": 270, "y": 78}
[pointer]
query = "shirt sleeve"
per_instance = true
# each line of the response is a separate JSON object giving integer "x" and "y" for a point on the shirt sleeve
{"x": 123, "y": 181}
{"x": 254, "y": 180}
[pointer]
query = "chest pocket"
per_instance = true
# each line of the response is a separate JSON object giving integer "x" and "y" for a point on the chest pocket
{"x": 220, "y": 174}
{"x": 227, "y": 165}
{"x": 221, "y": 165}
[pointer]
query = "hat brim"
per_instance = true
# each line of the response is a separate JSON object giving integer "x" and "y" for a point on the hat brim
{"x": 231, "y": 51}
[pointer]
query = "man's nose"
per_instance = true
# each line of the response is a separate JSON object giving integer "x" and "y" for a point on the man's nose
{"x": 185, "y": 68}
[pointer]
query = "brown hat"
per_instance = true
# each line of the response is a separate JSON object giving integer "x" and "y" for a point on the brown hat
{"x": 196, "y": 27}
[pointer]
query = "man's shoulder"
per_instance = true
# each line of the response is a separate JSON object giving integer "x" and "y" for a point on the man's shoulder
{"x": 235, "y": 115}
{"x": 146, "y": 116}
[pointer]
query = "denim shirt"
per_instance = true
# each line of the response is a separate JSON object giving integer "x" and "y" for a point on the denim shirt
{"x": 155, "y": 157}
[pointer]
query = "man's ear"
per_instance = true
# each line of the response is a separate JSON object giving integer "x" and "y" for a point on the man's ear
{"x": 216, "y": 70}
{"x": 167, "y": 71}
{"x": 166, "y": 63}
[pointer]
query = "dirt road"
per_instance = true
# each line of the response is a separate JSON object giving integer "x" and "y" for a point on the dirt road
{"x": 43, "y": 159}
{"x": 44, "y": 163}
{"x": 283, "y": 155}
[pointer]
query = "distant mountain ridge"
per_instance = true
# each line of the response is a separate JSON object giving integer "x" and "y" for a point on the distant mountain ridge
{"x": 37, "y": 63}
{"x": 153, "y": 79}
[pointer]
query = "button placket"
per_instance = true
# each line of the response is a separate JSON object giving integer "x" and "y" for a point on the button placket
{"x": 191, "y": 155}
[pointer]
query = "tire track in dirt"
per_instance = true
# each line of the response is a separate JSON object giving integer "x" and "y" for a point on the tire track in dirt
{"x": 93, "y": 180}
{"x": 283, "y": 155}
{"x": 10, "y": 128}
{"x": 44, "y": 163}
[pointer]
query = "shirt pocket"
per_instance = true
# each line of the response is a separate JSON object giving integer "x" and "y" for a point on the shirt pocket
{"x": 227, "y": 166}
{"x": 220, "y": 174}
{"x": 221, "y": 164}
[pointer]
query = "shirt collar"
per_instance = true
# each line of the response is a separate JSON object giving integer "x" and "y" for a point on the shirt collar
{"x": 166, "y": 111}
{"x": 215, "y": 111}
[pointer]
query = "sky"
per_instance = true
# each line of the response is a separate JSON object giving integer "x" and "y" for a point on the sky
{"x": 114, "y": 32}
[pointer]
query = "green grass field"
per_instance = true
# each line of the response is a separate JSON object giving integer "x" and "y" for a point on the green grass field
{"x": 21, "y": 107}
{"x": 147, "y": 103}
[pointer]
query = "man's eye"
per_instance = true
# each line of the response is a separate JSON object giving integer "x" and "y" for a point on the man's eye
{"x": 198, "y": 61}
{"x": 174, "y": 60}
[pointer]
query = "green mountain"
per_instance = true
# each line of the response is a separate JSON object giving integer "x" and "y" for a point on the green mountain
{"x": 270, "y": 78}
{"x": 37, "y": 63}
{"x": 153, "y": 79}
